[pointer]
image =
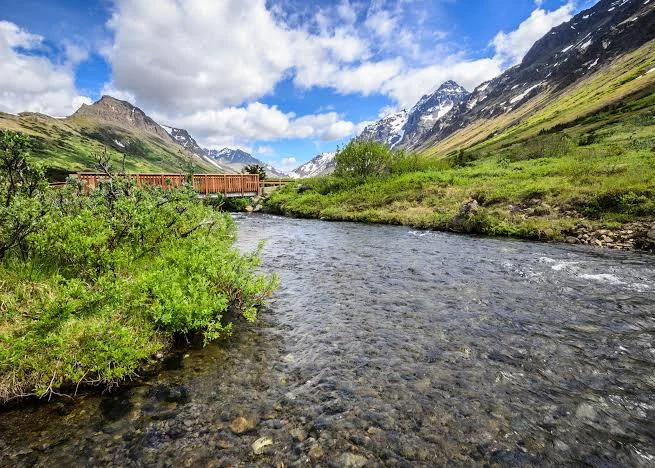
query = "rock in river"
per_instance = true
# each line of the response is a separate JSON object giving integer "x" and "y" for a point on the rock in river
{"x": 242, "y": 425}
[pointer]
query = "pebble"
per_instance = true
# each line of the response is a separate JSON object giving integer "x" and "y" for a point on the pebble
{"x": 351, "y": 460}
{"x": 241, "y": 425}
{"x": 260, "y": 445}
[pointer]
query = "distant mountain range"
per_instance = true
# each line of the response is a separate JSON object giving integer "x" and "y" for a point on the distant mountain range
{"x": 227, "y": 158}
{"x": 323, "y": 164}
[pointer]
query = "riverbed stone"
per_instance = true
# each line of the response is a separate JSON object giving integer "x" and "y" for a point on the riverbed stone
{"x": 298, "y": 434}
{"x": 352, "y": 460}
{"x": 651, "y": 234}
{"x": 242, "y": 425}
{"x": 259, "y": 446}
{"x": 316, "y": 452}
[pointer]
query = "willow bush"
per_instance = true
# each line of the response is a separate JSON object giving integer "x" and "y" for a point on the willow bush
{"x": 94, "y": 283}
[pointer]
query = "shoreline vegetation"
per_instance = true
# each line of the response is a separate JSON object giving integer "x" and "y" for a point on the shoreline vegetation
{"x": 595, "y": 188}
{"x": 96, "y": 285}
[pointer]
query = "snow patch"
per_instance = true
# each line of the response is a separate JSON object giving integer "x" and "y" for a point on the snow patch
{"x": 522, "y": 96}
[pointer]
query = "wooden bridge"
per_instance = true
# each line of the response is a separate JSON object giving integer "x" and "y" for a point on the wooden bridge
{"x": 228, "y": 185}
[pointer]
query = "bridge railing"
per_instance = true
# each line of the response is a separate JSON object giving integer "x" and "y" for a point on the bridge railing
{"x": 206, "y": 184}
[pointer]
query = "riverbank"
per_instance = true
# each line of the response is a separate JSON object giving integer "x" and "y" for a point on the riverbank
{"x": 471, "y": 218}
{"x": 584, "y": 196}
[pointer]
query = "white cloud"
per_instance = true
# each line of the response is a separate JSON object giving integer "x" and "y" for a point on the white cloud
{"x": 259, "y": 122}
{"x": 289, "y": 163}
{"x": 264, "y": 150}
{"x": 213, "y": 61}
{"x": 407, "y": 89}
{"x": 512, "y": 47}
{"x": 32, "y": 82}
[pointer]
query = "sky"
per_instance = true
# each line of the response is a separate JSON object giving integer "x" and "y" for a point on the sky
{"x": 282, "y": 79}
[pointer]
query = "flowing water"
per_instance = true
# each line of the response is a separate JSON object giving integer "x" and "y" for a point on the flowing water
{"x": 387, "y": 346}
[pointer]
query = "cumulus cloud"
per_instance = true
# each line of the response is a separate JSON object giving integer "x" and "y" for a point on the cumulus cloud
{"x": 409, "y": 87}
{"x": 512, "y": 47}
{"x": 205, "y": 65}
{"x": 232, "y": 126}
{"x": 30, "y": 81}
{"x": 289, "y": 163}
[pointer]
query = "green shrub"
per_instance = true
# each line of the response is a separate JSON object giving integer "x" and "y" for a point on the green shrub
{"x": 102, "y": 282}
{"x": 361, "y": 159}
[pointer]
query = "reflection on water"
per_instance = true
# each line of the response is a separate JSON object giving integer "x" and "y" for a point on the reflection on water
{"x": 386, "y": 346}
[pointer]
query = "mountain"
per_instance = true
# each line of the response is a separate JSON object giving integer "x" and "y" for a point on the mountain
{"x": 120, "y": 113}
{"x": 431, "y": 109}
{"x": 389, "y": 130}
{"x": 407, "y": 128}
{"x": 323, "y": 164}
{"x": 237, "y": 159}
{"x": 123, "y": 130}
{"x": 569, "y": 54}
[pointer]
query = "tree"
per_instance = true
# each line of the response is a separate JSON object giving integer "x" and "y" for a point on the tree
{"x": 364, "y": 159}
{"x": 22, "y": 187}
{"x": 257, "y": 169}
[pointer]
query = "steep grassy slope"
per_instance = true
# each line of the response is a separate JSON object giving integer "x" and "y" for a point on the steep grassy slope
{"x": 581, "y": 169}
{"x": 69, "y": 145}
{"x": 622, "y": 80}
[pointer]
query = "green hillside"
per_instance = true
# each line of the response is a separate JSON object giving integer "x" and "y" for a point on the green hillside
{"x": 69, "y": 145}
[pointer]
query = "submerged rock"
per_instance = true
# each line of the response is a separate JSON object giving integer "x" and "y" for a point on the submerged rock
{"x": 170, "y": 393}
{"x": 242, "y": 425}
{"x": 351, "y": 460}
{"x": 259, "y": 446}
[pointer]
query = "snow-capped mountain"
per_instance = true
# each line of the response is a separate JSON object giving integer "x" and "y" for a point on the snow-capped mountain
{"x": 389, "y": 130}
{"x": 321, "y": 165}
{"x": 405, "y": 128}
{"x": 237, "y": 159}
{"x": 430, "y": 109}
{"x": 233, "y": 160}
{"x": 565, "y": 55}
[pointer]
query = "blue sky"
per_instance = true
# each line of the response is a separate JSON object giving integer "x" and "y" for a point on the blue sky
{"x": 283, "y": 79}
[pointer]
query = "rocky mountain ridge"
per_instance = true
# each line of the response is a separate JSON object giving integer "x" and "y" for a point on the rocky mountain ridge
{"x": 405, "y": 128}
{"x": 321, "y": 165}
{"x": 565, "y": 55}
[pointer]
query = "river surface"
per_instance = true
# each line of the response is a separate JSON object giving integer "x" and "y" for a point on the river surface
{"x": 388, "y": 346}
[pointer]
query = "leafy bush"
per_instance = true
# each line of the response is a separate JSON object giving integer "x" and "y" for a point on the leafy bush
{"x": 361, "y": 159}
{"x": 100, "y": 282}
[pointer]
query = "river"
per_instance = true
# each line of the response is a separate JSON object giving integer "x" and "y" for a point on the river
{"x": 389, "y": 346}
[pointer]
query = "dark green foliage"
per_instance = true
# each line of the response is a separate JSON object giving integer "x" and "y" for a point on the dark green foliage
{"x": 255, "y": 169}
{"x": 99, "y": 283}
{"x": 21, "y": 187}
{"x": 228, "y": 204}
{"x": 361, "y": 159}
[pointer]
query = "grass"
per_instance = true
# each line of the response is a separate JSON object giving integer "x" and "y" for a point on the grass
{"x": 70, "y": 145}
{"x": 93, "y": 286}
{"x": 583, "y": 156}
{"x": 538, "y": 189}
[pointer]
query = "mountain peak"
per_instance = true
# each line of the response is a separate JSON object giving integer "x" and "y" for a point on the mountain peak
{"x": 121, "y": 113}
